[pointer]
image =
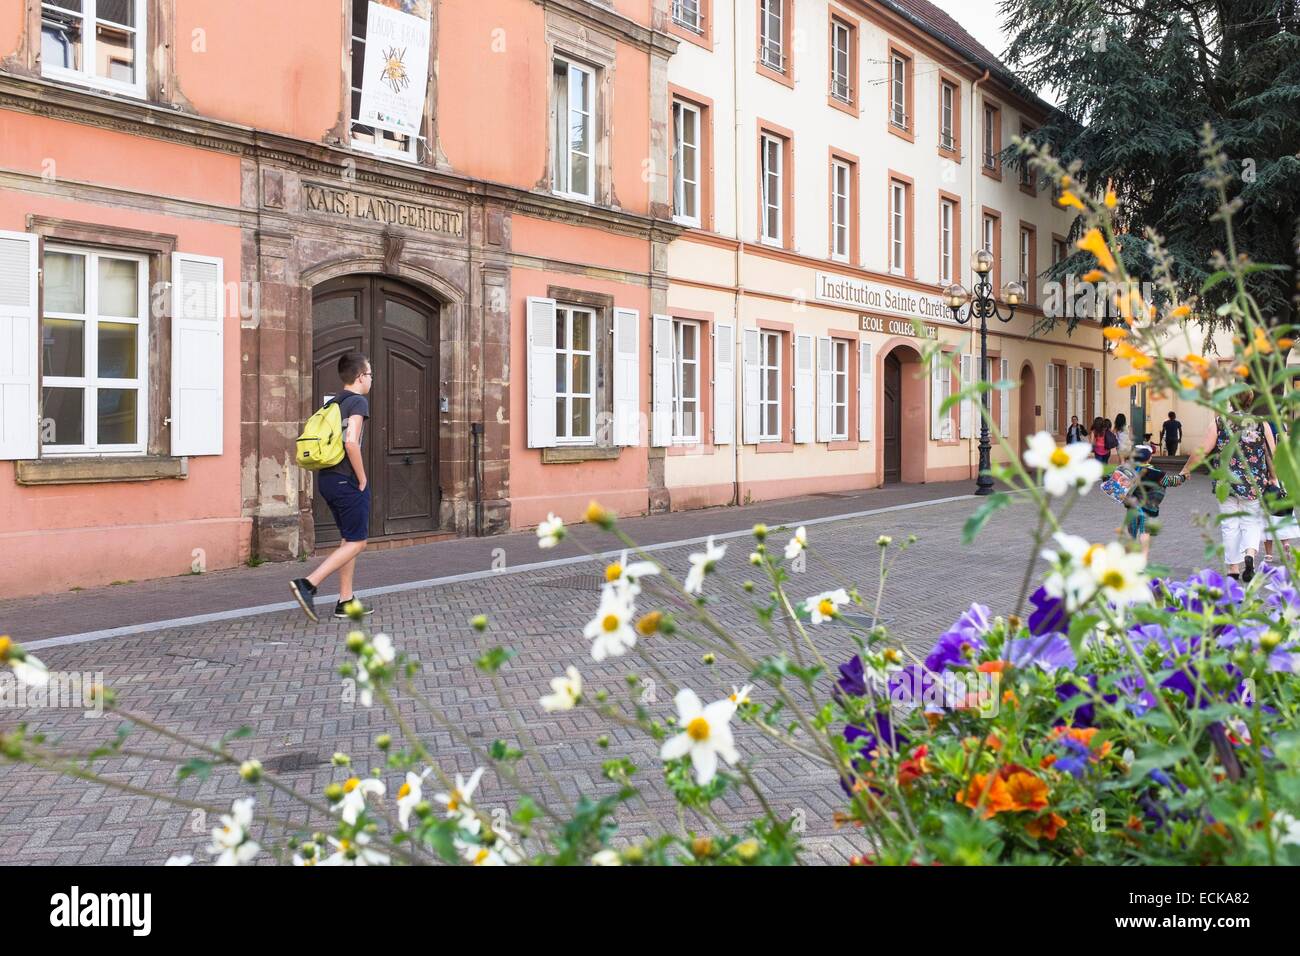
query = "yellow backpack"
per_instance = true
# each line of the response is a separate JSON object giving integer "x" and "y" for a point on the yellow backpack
{"x": 321, "y": 443}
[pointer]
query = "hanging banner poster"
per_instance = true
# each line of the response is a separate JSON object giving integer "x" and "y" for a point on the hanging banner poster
{"x": 395, "y": 75}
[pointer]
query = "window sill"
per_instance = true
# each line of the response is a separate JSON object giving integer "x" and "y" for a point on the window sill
{"x": 78, "y": 471}
{"x": 570, "y": 454}
{"x": 842, "y": 444}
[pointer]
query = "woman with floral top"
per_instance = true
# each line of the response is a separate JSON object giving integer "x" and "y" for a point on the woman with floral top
{"x": 1248, "y": 446}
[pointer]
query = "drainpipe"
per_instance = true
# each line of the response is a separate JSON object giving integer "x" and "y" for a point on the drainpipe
{"x": 977, "y": 229}
{"x": 737, "y": 354}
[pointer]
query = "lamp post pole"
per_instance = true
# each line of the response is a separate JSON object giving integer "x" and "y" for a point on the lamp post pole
{"x": 982, "y": 306}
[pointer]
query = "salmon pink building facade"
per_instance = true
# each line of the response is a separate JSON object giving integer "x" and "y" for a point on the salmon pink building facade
{"x": 651, "y": 252}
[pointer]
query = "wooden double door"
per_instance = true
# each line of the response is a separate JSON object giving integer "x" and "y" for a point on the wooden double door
{"x": 397, "y": 327}
{"x": 892, "y": 419}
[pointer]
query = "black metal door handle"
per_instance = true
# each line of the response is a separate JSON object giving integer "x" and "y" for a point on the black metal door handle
{"x": 406, "y": 460}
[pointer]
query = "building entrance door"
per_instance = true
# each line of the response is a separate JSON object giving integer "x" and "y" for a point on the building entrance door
{"x": 397, "y": 327}
{"x": 893, "y": 419}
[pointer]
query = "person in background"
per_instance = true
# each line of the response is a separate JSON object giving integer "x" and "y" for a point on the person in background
{"x": 1075, "y": 433}
{"x": 1148, "y": 493}
{"x": 1123, "y": 436}
{"x": 1281, "y": 522}
{"x": 1100, "y": 438}
{"x": 1171, "y": 434}
{"x": 1249, "y": 466}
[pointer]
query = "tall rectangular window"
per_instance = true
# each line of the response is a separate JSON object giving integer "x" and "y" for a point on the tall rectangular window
{"x": 841, "y": 209}
{"x": 686, "y": 381}
{"x": 898, "y": 227}
{"x": 100, "y": 43}
{"x": 575, "y": 389}
{"x": 771, "y": 34}
{"x": 992, "y": 136}
{"x": 574, "y": 136}
{"x": 947, "y": 238}
{"x": 1058, "y": 250}
{"x": 687, "y": 13}
{"x": 898, "y": 105}
{"x": 769, "y": 393}
{"x": 990, "y": 232}
{"x": 772, "y": 189}
{"x": 839, "y": 390}
{"x": 1026, "y": 173}
{"x": 686, "y": 163}
{"x": 94, "y": 358}
{"x": 1029, "y": 261}
{"x": 947, "y": 122}
{"x": 370, "y": 138}
{"x": 841, "y": 61}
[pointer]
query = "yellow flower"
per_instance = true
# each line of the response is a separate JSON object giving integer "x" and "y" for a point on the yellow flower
{"x": 1262, "y": 345}
{"x": 1114, "y": 333}
{"x": 1137, "y": 378}
{"x": 1065, "y": 182}
{"x": 1110, "y": 199}
{"x": 1070, "y": 199}
{"x": 1242, "y": 370}
{"x": 1093, "y": 275}
{"x": 1181, "y": 312}
{"x": 1093, "y": 242}
{"x": 1187, "y": 382}
{"x": 1199, "y": 362}
{"x": 1136, "y": 356}
{"x": 1285, "y": 344}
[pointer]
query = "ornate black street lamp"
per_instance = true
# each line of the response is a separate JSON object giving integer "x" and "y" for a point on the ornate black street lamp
{"x": 983, "y": 307}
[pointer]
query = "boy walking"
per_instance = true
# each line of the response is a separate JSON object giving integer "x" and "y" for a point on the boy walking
{"x": 345, "y": 489}
{"x": 1146, "y": 495}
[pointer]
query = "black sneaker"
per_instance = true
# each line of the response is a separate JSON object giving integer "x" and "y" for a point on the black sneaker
{"x": 1249, "y": 572}
{"x": 305, "y": 594}
{"x": 340, "y": 609}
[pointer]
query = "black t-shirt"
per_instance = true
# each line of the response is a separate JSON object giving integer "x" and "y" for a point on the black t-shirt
{"x": 350, "y": 403}
{"x": 1173, "y": 430}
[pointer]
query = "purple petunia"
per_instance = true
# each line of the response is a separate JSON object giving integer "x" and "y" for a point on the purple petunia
{"x": 963, "y": 638}
{"x": 1051, "y": 652}
{"x": 1048, "y": 616}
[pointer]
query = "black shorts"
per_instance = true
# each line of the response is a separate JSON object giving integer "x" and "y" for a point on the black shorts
{"x": 348, "y": 503}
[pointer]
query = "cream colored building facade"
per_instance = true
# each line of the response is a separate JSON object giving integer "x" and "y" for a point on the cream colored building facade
{"x": 835, "y": 164}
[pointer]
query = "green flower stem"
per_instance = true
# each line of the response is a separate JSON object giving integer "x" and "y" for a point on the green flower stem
{"x": 526, "y": 740}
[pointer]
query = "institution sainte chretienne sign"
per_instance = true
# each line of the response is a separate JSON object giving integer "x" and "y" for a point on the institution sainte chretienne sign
{"x": 875, "y": 297}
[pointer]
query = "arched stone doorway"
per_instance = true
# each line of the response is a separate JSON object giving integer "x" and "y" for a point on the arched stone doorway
{"x": 903, "y": 425}
{"x": 397, "y": 326}
{"x": 1028, "y": 419}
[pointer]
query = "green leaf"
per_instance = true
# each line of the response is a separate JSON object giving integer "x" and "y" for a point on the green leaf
{"x": 197, "y": 767}
{"x": 493, "y": 660}
{"x": 1157, "y": 759}
{"x": 1080, "y": 626}
{"x": 1215, "y": 279}
{"x": 975, "y": 523}
{"x": 244, "y": 731}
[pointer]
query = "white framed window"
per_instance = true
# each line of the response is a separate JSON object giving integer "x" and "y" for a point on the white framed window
{"x": 769, "y": 393}
{"x": 990, "y": 137}
{"x": 687, "y": 13}
{"x": 94, "y": 352}
{"x": 839, "y": 390}
{"x": 574, "y": 135}
{"x": 990, "y": 228}
{"x": 575, "y": 375}
{"x": 99, "y": 43}
{"x": 771, "y": 34}
{"x": 772, "y": 172}
{"x": 1026, "y": 260}
{"x": 1026, "y": 172}
{"x": 371, "y": 139}
{"x": 947, "y": 101}
{"x": 686, "y": 163}
{"x": 898, "y": 114}
{"x": 686, "y": 381}
{"x": 841, "y": 209}
{"x": 1058, "y": 250}
{"x": 897, "y": 227}
{"x": 947, "y": 237}
{"x": 841, "y": 52}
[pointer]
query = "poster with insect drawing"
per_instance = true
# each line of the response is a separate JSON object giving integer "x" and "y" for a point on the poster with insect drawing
{"x": 395, "y": 74}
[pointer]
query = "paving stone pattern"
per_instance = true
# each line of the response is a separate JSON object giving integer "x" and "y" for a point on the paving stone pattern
{"x": 278, "y": 674}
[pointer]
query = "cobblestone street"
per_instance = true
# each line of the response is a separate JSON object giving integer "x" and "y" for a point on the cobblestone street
{"x": 277, "y": 673}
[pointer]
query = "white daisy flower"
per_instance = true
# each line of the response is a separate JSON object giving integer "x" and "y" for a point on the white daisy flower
{"x": 740, "y": 695}
{"x": 30, "y": 671}
{"x": 606, "y": 858}
{"x": 179, "y": 859}
{"x": 623, "y": 575}
{"x": 824, "y": 606}
{"x": 354, "y": 852}
{"x": 1063, "y": 468}
{"x": 611, "y": 631}
{"x": 1120, "y": 574}
{"x": 231, "y": 844}
{"x": 1070, "y": 578}
{"x": 1286, "y": 829}
{"x": 796, "y": 544}
{"x": 706, "y": 736}
{"x": 354, "y": 797}
{"x": 383, "y": 648}
{"x": 500, "y": 853}
{"x": 457, "y": 802}
{"x": 566, "y": 691}
{"x": 549, "y": 532}
{"x": 366, "y": 689}
{"x": 701, "y": 564}
{"x": 409, "y": 795}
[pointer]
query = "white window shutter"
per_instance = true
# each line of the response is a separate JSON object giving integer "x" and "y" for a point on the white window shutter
{"x": 804, "y": 388}
{"x": 661, "y": 410}
{"x": 750, "y": 386}
{"x": 198, "y": 317}
{"x": 866, "y": 393}
{"x": 541, "y": 372}
{"x": 967, "y": 407}
{"x": 1004, "y": 398}
{"x": 1071, "y": 394}
{"x": 1081, "y": 402}
{"x": 724, "y": 384}
{"x": 825, "y": 384}
{"x": 1050, "y": 398}
{"x": 19, "y": 324}
{"x": 938, "y": 373}
{"x": 627, "y": 377}
{"x": 1096, "y": 392}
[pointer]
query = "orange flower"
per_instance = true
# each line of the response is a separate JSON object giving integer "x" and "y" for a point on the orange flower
{"x": 1070, "y": 200}
{"x": 1110, "y": 199}
{"x": 1093, "y": 242}
{"x": 1181, "y": 311}
{"x": 1199, "y": 362}
{"x": 1139, "y": 359}
{"x": 1242, "y": 370}
{"x": 913, "y": 767}
{"x": 997, "y": 798}
{"x": 1027, "y": 791}
{"x": 1137, "y": 378}
{"x": 1187, "y": 382}
{"x": 1047, "y": 761}
{"x": 993, "y": 742}
{"x": 1285, "y": 344}
{"x": 1010, "y": 699}
{"x": 1114, "y": 333}
{"x": 1134, "y": 823}
{"x": 1047, "y": 826}
{"x": 1093, "y": 275}
{"x": 993, "y": 667}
